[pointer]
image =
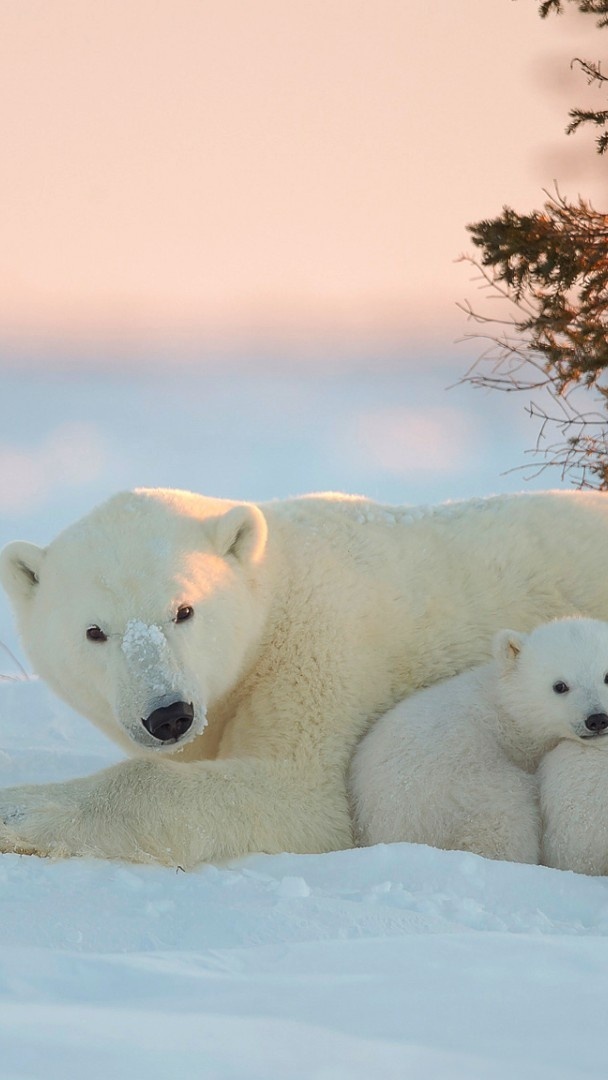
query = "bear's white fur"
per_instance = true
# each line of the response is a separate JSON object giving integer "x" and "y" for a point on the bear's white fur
{"x": 573, "y": 778}
{"x": 453, "y": 765}
{"x": 311, "y": 617}
{"x": 573, "y": 781}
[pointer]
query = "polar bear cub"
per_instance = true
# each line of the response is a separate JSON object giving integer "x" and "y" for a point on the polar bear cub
{"x": 453, "y": 765}
{"x": 573, "y": 782}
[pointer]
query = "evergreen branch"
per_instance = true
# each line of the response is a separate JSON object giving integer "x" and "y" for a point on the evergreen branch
{"x": 593, "y": 72}
{"x": 549, "y": 268}
{"x": 586, "y": 7}
{"x": 587, "y": 116}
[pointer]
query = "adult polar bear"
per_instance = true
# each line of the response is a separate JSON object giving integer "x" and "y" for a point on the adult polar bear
{"x": 239, "y": 652}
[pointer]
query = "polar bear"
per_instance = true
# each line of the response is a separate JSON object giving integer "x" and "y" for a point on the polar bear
{"x": 454, "y": 765}
{"x": 239, "y": 652}
{"x": 573, "y": 782}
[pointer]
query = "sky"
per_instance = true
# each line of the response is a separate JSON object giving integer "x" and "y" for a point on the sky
{"x": 187, "y": 178}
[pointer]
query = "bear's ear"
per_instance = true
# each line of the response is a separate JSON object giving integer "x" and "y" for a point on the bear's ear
{"x": 242, "y": 533}
{"x": 507, "y": 647}
{"x": 20, "y": 564}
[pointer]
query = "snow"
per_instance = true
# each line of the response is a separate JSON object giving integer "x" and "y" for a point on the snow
{"x": 146, "y": 651}
{"x": 141, "y": 638}
{"x": 388, "y": 962}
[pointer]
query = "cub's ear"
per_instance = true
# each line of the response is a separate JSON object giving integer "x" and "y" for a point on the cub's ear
{"x": 242, "y": 532}
{"x": 20, "y": 564}
{"x": 506, "y": 647}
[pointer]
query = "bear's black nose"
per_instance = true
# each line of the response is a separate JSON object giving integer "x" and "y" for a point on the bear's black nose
{"x": 170, "y": 723}
{"x": 597, "y": 722}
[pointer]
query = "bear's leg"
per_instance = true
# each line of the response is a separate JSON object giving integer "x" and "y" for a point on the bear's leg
{"x": 179, "y": 814}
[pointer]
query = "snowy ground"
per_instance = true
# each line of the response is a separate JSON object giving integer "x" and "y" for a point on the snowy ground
{"x": 392, "y": 962}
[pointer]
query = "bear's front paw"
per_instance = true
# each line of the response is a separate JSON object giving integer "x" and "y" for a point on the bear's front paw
{"x": 12, "y": 843}
{"x": 35, "y": 821}
{"x": 12, "y": 815}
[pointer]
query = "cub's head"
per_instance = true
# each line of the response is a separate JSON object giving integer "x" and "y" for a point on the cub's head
{"x": 144, "y": 613}
{"x": 554, "y": 681}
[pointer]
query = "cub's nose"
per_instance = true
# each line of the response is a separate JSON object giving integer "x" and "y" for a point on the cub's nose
{"x": 597, "y": 722}
{"x": 170, "y": 723}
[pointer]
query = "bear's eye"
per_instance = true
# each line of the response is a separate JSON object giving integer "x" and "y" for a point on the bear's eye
{"x": 95, "y": 633}
{"x": 560, "y": 688}
{"x": 184, "y": 612}
{"x": 606, "y": 677}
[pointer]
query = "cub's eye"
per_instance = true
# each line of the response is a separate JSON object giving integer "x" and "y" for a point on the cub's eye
{"x": 560, "y": 688}
{"x": 95, "y": 633}
{"x": 606, "y": 677}
{"x": 183, "y": 613}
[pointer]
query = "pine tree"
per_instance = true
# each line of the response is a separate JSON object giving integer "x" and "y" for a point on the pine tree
{"x": 551, "y": 267}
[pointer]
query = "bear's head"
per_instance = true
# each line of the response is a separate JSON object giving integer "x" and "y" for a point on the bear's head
{"x": 553, "y": 682}
{"x": 144, "y": 613}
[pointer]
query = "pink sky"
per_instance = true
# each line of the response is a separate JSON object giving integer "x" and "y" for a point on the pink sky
{"x": 243, "y": 171}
